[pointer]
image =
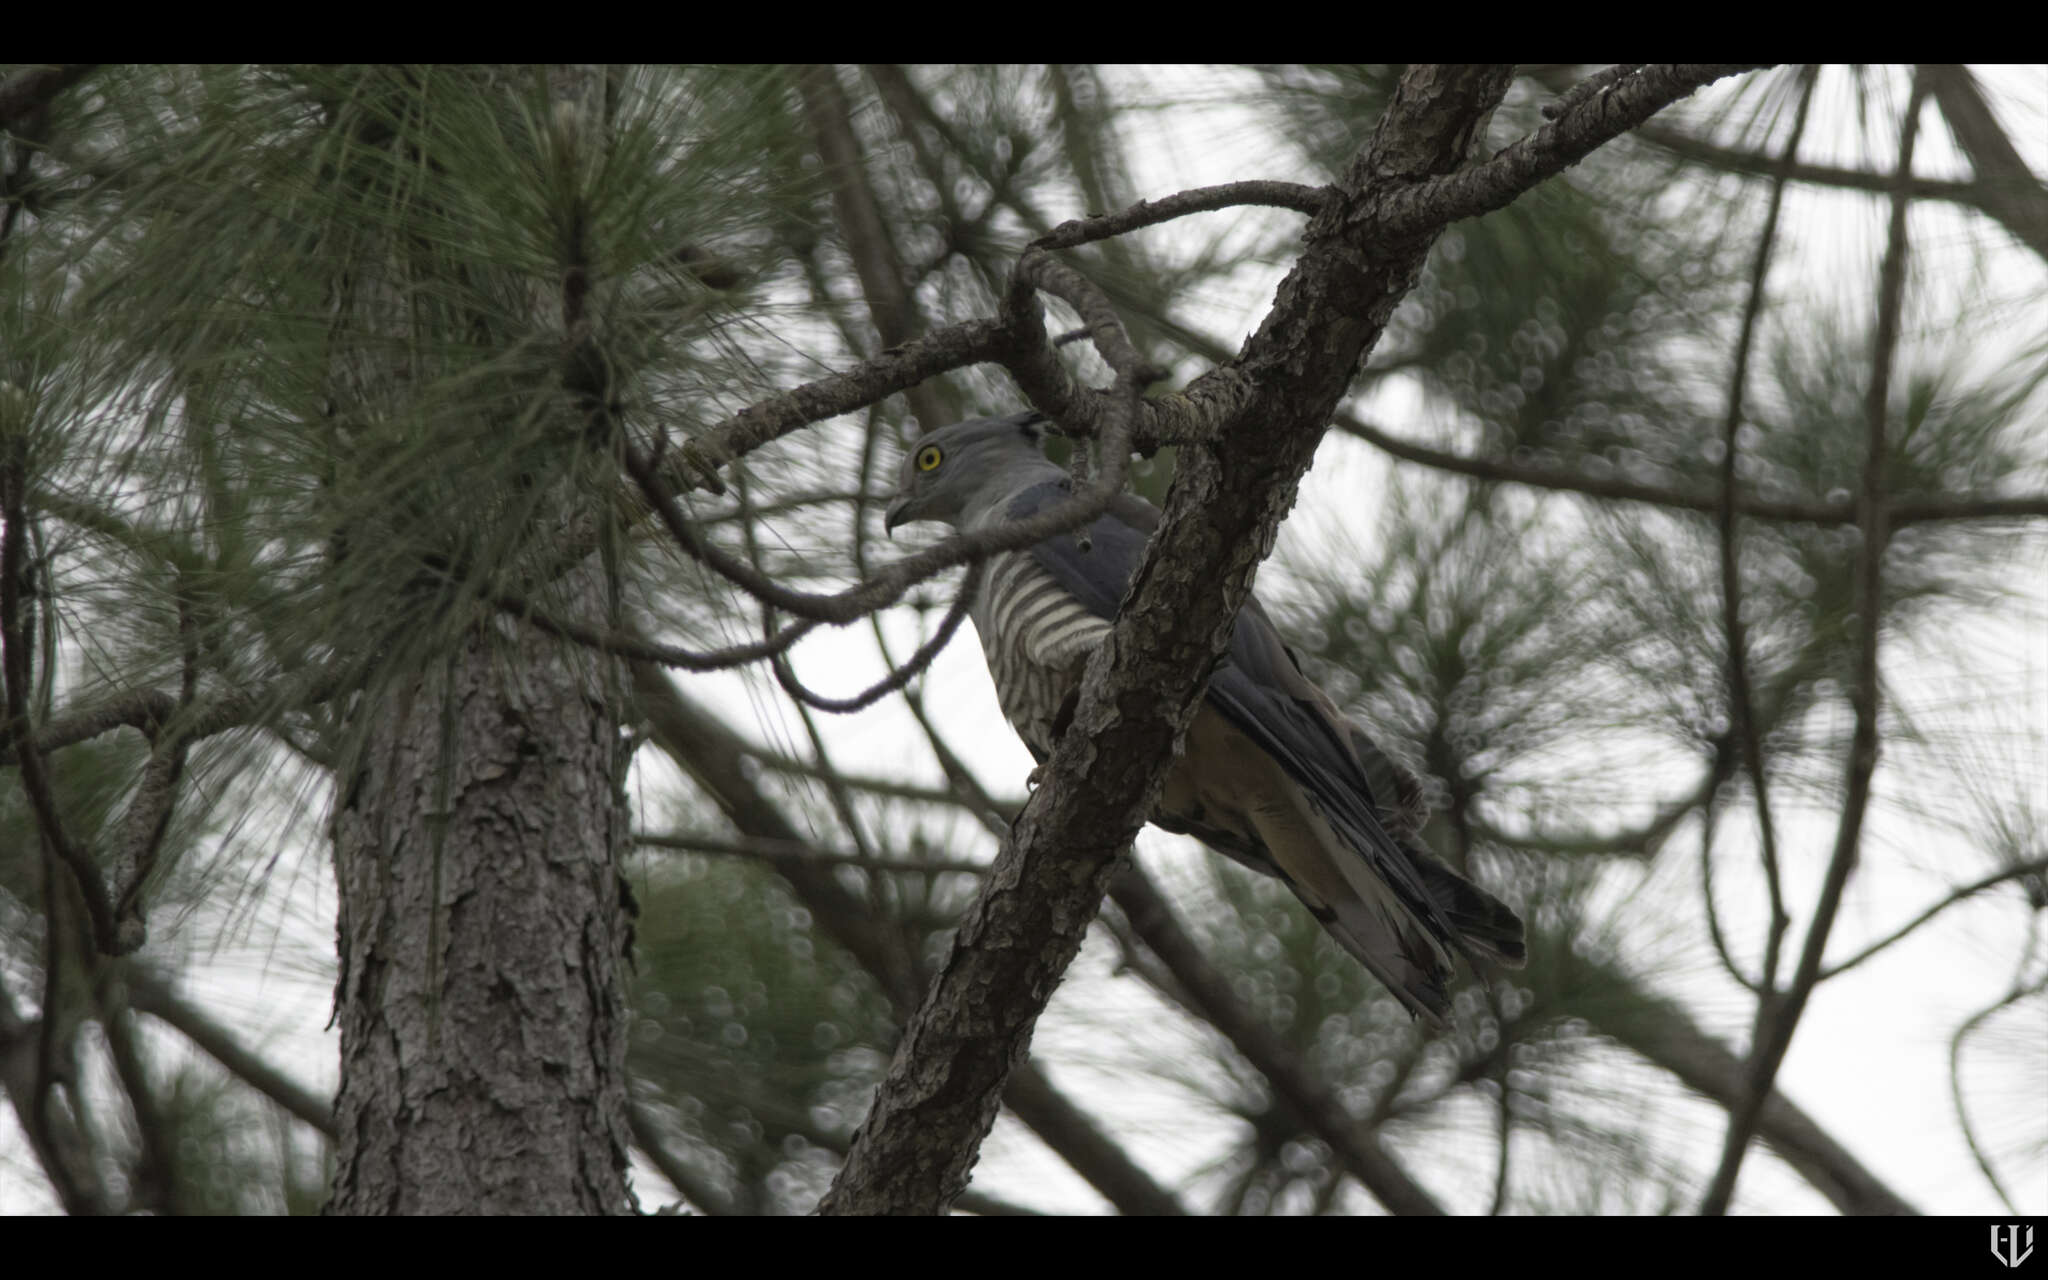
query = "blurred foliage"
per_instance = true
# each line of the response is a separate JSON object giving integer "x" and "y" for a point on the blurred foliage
{"x": 759, "y": 1041}
{"x": 209, "y": 254}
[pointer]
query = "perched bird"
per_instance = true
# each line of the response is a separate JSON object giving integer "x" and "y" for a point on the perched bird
{"x": 1271, "y": 774}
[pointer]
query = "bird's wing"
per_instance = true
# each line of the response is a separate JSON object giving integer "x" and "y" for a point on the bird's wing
{"x": 1260, "y": 690}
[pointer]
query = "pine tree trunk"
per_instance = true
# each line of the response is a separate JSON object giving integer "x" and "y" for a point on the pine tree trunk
{"x": 482, "y": 929}
{"x": 477, "y": 834}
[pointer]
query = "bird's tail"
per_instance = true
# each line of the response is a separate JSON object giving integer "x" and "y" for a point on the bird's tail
{"x": 1394, "y": 946}
{"x": 1484, "y": 923}
{"x": 1404, "y": 940}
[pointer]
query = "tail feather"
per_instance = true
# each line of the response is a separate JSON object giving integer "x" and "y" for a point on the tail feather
{"x": 1483, "y": 922}
{"x": 1408, "y": 962}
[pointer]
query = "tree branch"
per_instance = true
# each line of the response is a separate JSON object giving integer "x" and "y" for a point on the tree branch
{"x": 624, "y": 645}
{"x": 932, "y": 1110}
{"x": 1908, "y": 512}
{"x": 1156, "y": 425}
{"x": 1667, "y": 1036}
{"x": 1148, "y": 213}
{"x": 647, "y": 1136}
{"x": 16, "y": 644}
{"x": 2004, "y": 190}
{"x": 2038, "y": 866}
{"x": 2008, "y": 190}
{"x": 146, "y": 709}
{"x": 152, "y": 995}
{"x": 868, "y": 242}
{"x": 1741, "y": 702}
{"x": 1577, "y": 131}
{"x": 713, "y": 755}
{"x": 695, "y": 463}
{"x": 1776, "y": 1020}
{"x": 1311, "y": 1104}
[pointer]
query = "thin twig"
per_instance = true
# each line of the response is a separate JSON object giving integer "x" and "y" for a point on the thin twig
{"x": 2020, "y": 991}
{"x": 1148, "y": 213}
{"x": 1715, "y": 933}
{"x": 1741, "y": 703}
{"x": 17, "y": 732}
{"x": 1915, "y": 511}
{"x": 898, "y": 677}
{"x": 1777, "y": 1019}
{"x": 2018, "y": 871}
{"x": 625, "y": 645}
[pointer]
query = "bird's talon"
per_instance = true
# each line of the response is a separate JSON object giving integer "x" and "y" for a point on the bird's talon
{"x": 1033, "y": 778}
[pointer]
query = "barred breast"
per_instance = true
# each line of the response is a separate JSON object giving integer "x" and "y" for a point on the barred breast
{"x": 1037, "y": 639}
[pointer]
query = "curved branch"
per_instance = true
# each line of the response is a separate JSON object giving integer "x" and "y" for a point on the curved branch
{"x": 1741, "y": 702}
{"x": 16, "y": 643}
{"x": 1777, "y": 1019}
{"x": 2018, "y": 871}
{"x": 1022, "y": 332}
{"x": 1147, "y": 213}
{"x": 2019, "y": 992}
{"x": 897, "y": 678}
{"x": 624, "y": 645}
{"x": 695, "y": 464}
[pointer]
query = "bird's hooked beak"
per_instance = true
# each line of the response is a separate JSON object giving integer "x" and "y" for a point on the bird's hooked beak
{"x": 894, "y": 515}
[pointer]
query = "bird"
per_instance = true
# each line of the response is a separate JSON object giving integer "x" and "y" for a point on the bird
{"x": 1272, "y": 775}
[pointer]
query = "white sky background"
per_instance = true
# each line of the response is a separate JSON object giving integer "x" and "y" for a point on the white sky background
{"x": 1870, "y": 1060}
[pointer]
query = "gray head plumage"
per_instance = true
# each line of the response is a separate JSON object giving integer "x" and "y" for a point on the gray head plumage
{"x": 955, "y": 474}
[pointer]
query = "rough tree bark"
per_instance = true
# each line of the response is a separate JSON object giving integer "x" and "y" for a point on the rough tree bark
{"x": 1229, "y": 495}
{"x": 482, "y": 934}
{"x": 477, "y": 835}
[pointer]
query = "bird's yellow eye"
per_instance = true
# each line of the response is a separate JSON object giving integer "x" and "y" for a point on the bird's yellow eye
{"x": 929, "y": 457}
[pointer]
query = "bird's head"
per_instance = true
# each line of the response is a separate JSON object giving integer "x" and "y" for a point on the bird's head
{"x": 946, "y": 469}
